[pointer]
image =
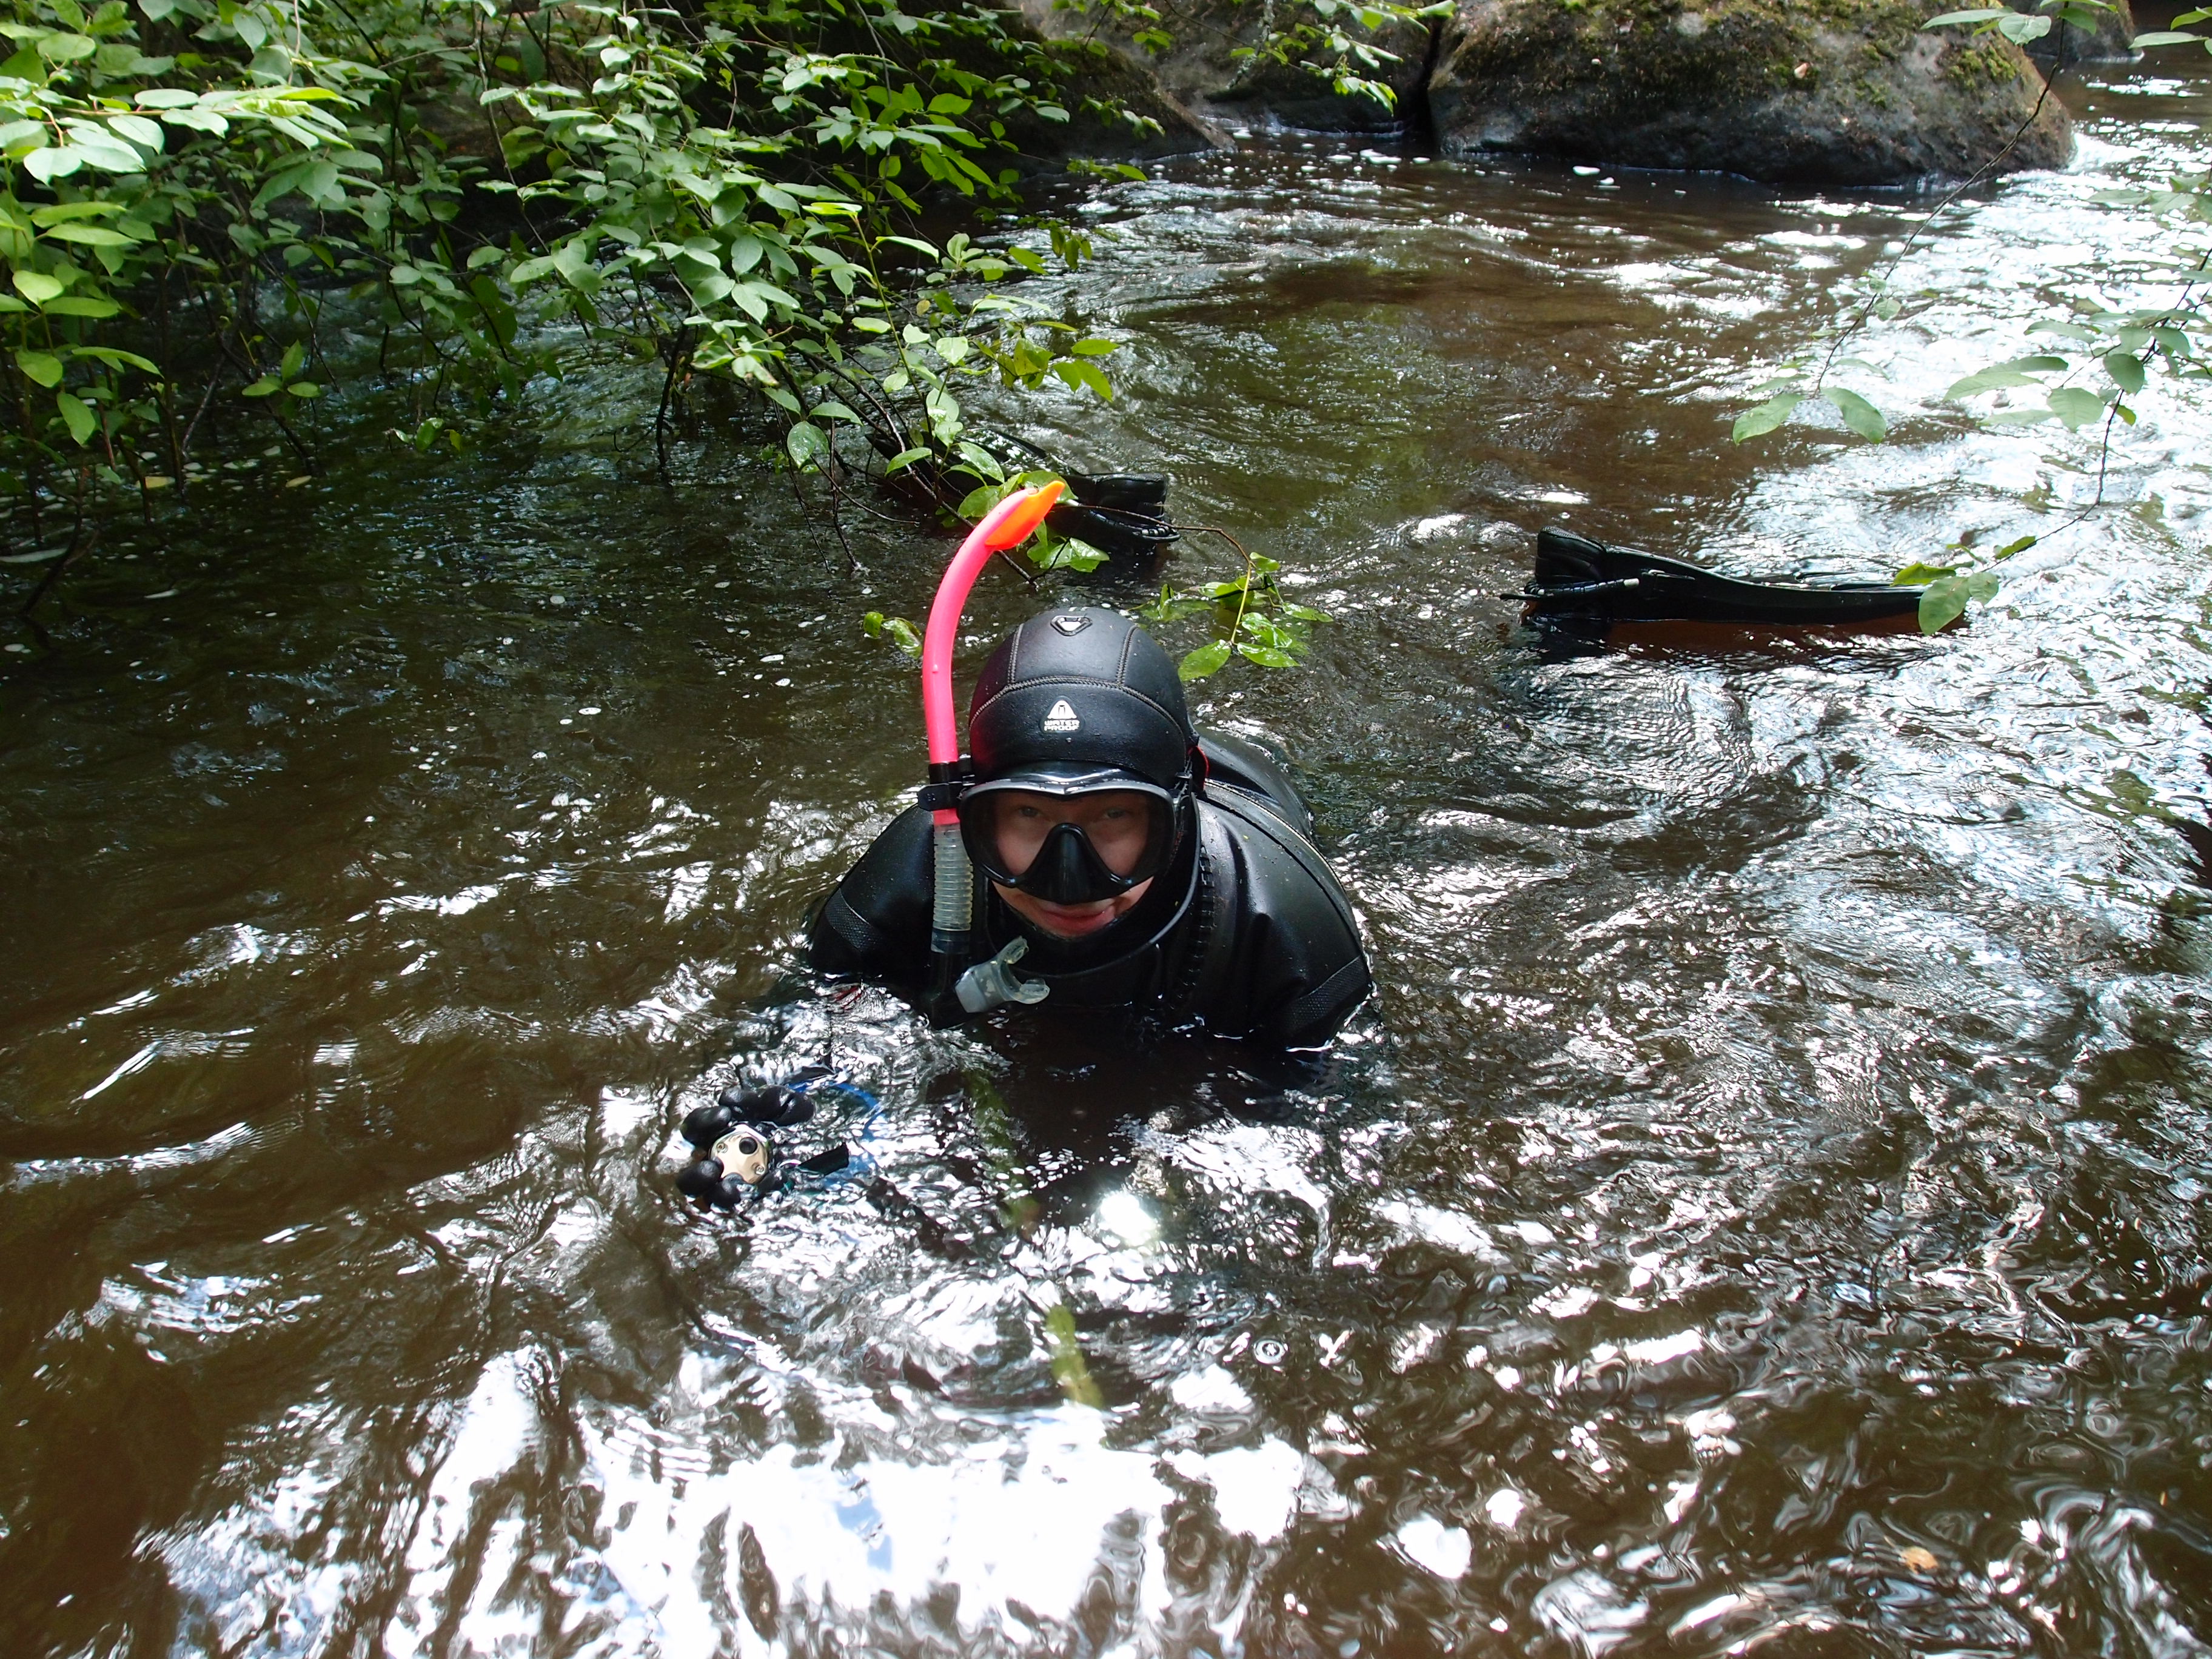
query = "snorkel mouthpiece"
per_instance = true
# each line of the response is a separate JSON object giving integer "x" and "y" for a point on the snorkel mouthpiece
{"x": 1007, "y": 524}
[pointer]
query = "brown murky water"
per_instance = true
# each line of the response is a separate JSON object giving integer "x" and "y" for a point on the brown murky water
{"x": 1764, "y": 1206}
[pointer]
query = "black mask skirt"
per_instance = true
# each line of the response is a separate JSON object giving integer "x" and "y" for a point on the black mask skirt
{"x": 1068, "y": 868}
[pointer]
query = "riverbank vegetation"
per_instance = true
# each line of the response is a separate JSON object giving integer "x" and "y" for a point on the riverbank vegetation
{"x": 215, "y": 210}
{"x": 216, "y": 213}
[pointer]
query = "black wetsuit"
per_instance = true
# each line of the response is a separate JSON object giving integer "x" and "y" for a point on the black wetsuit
{"x": 1246, "y": 935}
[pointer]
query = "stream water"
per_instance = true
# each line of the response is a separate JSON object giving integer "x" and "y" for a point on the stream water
{"x": 1764, "y": 1207}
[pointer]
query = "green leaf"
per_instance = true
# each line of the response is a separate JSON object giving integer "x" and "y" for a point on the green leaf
{"x": 48, "y": 165}
{"x": 265, "y": 386}
{"x": 1758, "y": 422}
{"x": 82, "y": 305}
{"x": 1094, "y": 348}
{"x": 115, "y": 359}
{"x": 2164, "y": 38}
{"x": 898, "y": 629}
{"x": 146, "y": 134}
{"x": 1950, "y": 18}
{"x": 1079, "y": 374}
{"x": 304, "y": 388}
{"x": 807, "y": 444}
{"x": 2013, "y": 547}
{"x": 2076, "y": 407}
{"x": 1268, "y": 656}
{"x": 572, "y": 261}
{"x": 1207, "y": 660}
{"x": 1916, "y": 573}
{"x": 2126, "y": 370}
{"x": 79, "y": 419}
{"x": 38, "y": 288}
{"x": 2020, "y": 371}
{"x": 1943, "y": 604}
{"x": 61, "y": 212}
{"x": 41, "y": 367}
{"x": 98, "y": 147}
{"x": 88, "y": 236}
{"x": 1862, "y": 417}
{"x": 2021, "y": 30}
{"x": 907, "y": 457}
{"x": 1947, "y": 598}
{"x": 1027, "y": 258}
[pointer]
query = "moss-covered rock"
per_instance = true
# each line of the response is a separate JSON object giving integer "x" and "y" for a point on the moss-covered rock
{"x": 1832, "y": 92}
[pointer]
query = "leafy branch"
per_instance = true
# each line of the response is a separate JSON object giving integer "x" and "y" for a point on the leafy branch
{"x": 1249, "y": 617}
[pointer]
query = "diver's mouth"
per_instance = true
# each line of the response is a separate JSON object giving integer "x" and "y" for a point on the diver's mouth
{"x": 1072, "y": 920}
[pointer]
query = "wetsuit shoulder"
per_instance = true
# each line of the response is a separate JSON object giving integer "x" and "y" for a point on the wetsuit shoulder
{"x": 1298, "y": 968}
{"x": 876, "y": 924}
{"x": 1240, "y": 763}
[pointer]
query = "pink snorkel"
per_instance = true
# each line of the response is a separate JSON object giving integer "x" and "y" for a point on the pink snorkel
{"x": 1007, "y": 524}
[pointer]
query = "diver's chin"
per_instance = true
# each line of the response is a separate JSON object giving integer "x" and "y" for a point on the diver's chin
{"x": 1072, "y": 921}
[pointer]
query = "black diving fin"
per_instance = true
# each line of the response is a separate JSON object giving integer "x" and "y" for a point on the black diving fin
{"x": 1586, "y": 586}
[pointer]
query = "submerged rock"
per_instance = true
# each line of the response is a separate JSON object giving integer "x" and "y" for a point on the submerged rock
{"x": 1837, "y": 92}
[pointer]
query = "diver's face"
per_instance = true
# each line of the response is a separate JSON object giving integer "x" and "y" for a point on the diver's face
{"x": 1118, "y": 823}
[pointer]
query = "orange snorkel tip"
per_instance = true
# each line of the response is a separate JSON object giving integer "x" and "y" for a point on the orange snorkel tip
{"x": 1011, "y": 522}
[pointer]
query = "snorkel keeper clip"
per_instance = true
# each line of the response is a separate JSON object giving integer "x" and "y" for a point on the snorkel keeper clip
{"x": 952, "y": 907}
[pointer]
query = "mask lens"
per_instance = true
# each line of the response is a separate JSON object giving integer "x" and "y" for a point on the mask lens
{"x": 1012, "y": 834}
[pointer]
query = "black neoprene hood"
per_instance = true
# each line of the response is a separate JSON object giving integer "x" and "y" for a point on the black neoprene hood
{"x": 1081, "y": 688}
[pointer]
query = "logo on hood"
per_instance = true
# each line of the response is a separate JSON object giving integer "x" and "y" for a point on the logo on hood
{"x": 1061, "y": 717}
{"x": 1070, "y": 625}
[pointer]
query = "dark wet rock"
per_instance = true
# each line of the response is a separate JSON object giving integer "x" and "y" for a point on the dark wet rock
{"x": 1107, "y": 66}
{"x": 1202, "y": 73}
{"x": 1842, "y": 92}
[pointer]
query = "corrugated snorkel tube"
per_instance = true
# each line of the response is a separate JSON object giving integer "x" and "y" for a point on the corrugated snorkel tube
{"x": 1007, "y": 524}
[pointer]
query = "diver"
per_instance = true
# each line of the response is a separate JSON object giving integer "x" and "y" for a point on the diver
{"x": 1125, "y": 862}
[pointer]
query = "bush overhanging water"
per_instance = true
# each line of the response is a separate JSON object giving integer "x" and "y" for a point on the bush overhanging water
{"x": 728, "y": 188}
